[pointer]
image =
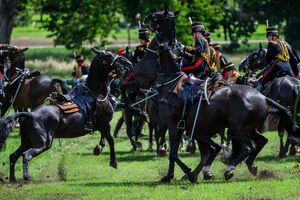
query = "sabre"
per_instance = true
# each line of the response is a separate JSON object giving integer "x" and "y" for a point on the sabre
{"x": 205, "y": 91}
{"x": 141, "y": 101}
{"x": 190, "y": 20}
{"x": 267, "y": 23}
{"x": 196, "y": 117}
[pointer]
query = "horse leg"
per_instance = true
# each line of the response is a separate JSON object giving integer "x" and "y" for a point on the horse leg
{"x": 110, "y": 140}
{"x": 150, "y": 139}
{"x": 246, "y": 149}
{"x": 260, "y": 142}
{"x": 214, "y": 150}
{"x": 160, "y": 137}
{"x": 28, "y": 155}
{"x": 12, "y": 160}
{"x": 293, "y": 149}
{"x": 35, "y": 151}
{"x": 99, "y": 148}
{"x": 4, "y": 108}
{"x": 208, "y": 152}
{"x": 138, "y": 125}
{"x": 174, "y": 137}
{"x": 128, "y": 121}
{"x": 191, "y": 147}
{"x": 205, "y": 150}
{"x": 282, "y": 148}
{"x": 118, "y": 126}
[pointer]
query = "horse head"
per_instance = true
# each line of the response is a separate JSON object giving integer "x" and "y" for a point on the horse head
{"x": 255, "y": 61}
{"x": 114, "y": 63}
{"x": 162, "y": 22}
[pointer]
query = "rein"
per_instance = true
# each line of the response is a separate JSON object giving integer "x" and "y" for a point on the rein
{"x": 172, "y": 80}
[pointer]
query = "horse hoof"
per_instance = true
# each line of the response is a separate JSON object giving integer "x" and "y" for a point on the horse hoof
{"x": 12, "y": 180}
{"x": 185, "y": 177}
{"x": 26, "y": 179}
{"x": 192, "y": 177}
{"x": 191, "y": 149}
{"x": 139, "y": 144}
{"x": 281, "y": 155}
{"x": 208, "y": 176}
{"x": 252, "y": 169}
{"x": 133, "y": 149}
{"x": 97, "y": 150}
{"x": 150, "y": 148}
{"x": 115, "y": 135}
{"x": 166, "y": 179}
{"x": 162, "y": 152}
{"x": 113, "y": 164}
{"x": 228, "y": 175}
{"x": 293, "y": 151}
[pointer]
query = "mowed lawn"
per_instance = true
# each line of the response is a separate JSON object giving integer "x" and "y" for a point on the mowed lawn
{"x": 71, "y": 171}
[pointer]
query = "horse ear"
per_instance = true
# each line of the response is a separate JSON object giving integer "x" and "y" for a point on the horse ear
{"x": 24, "y": 49}
{"x": 167, "y": 8}
{"x": 95, "y": 50}
{"x": 260, "y": 46}
{"x": 177, "y": 12}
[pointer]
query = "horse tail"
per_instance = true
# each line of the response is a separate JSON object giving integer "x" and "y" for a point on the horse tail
{"x": 59, "y": 86}
{"x": 285, "y": 116}
{"x": 7, "y": 123}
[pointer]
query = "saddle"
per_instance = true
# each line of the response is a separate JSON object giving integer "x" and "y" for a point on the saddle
{"x": 77, "y": 99}
{"x": 190, "y": 86}
{"x": 67, "y": 106}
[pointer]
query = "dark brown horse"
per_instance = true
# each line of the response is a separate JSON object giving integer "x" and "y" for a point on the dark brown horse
{"x": 284, "y": 90}
{"x": 23, "y": 90}
{"x": 240, "y": 108}
{"x": 46, "y": 122}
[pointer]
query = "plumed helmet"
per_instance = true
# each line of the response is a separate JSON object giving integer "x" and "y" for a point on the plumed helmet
{"x": 144, "y": 34}
{"x": 273, "y": 31}
{"x": 197, "y": 27}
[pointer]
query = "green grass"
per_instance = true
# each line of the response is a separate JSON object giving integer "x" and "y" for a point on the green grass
{"x": 71, "y": 171}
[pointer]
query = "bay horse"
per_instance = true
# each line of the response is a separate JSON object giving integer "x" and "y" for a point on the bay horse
{"x": 23, "y": 90}
{"x": 240, "y": 108}
{"x": 283, "y": 89}
{"x": 39, "y": 127}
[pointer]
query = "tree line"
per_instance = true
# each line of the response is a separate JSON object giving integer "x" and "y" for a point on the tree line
{"x": 73, "y": 22}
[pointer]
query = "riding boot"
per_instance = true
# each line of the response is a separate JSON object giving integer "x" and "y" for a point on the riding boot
{"x": 113, "y": 100}
{"x": 259, "y": 87}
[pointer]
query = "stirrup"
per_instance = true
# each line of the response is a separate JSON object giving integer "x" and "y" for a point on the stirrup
{"x": 88, "y": 126}
{"x": 181, "y": 124}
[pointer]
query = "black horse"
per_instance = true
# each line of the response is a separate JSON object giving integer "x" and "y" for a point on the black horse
{"x": 283, "y": 89}
{"x": 240, "y": 108}
{"x": 24, "y": 90}
{"x": 40, "y": 127}
{"x": 145, "y": 71}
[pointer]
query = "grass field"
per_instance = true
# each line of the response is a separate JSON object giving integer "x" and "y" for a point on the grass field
{"x": 35, "y": 30}
{"x": 71, "y": 171}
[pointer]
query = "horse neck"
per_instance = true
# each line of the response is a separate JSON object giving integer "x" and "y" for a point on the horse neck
{"x": 168, "y": 66}
{"x": 97, "y": 78}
